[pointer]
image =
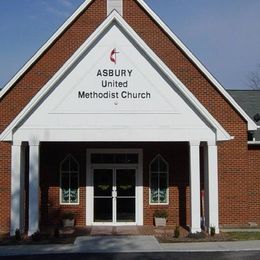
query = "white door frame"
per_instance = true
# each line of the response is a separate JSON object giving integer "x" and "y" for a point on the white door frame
{"x": 139, "y": 183}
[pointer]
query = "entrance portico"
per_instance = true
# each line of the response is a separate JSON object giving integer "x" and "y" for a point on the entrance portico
{"x": 77, "y": 107}
{"x": 137, "y": 214}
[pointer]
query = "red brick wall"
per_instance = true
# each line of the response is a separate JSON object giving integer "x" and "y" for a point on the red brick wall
{"x": 5, "y": 187}
{"x": 237, "y": 173}
{"x": 254, "y": 185}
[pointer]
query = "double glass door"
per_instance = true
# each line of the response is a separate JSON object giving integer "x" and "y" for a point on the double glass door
{"x": 114, "y": 195}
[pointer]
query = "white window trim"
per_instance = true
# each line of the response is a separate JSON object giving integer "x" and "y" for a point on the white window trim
{"x": 158, "y": 203}
{"x": 60, "y": 172}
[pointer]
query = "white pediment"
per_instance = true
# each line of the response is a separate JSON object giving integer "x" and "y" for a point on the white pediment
{"x": 112, "y": 78}
{"x": 113, "y": 90}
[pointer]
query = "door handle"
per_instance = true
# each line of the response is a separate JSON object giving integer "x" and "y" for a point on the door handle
{"x": 114, "y": 193}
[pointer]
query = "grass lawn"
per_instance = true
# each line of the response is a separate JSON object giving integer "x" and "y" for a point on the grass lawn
{"x": 244, "y": 235}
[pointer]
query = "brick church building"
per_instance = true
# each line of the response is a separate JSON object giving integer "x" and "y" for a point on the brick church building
{"x": 114, "y": 118}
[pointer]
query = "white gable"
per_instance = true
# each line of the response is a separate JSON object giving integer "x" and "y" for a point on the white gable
{"x": 114, "y": 90}
{"x": 113, "y": 78}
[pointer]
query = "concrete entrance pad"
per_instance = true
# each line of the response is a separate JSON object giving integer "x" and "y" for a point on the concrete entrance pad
{"x": 101, "y": 230}
{"x": 114, "y": 230}
{"x": 117, "y": 244}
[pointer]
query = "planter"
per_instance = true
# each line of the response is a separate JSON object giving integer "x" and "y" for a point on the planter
{"x": 68, "y": 222}
{"x": 160, "y": 222}
{"x": 160, "y": 217}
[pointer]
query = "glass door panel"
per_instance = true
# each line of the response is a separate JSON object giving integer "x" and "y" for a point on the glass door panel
{"x": 125, "y": 210}
{"x": 125, "y": 201}
{"x": 103, "y": 201}
{"x": 114, "y": 195}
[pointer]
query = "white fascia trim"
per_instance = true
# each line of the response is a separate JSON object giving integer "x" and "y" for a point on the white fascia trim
{"x": 44, "y": 47}
{"x": 253, "y": 142}
{"x": 251, "y": 124}
{"x": 114, "y": 16}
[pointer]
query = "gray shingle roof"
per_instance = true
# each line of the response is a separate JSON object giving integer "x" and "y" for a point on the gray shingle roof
{"x": 249, "y": 100}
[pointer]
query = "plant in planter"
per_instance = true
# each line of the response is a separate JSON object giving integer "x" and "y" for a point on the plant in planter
{"x": 212, "y": 231}
{"x": 36, "y": 236}
{"x": 18, "y": 235}
{"x": 160, "y": 218}
{"x": 68, "y": 219}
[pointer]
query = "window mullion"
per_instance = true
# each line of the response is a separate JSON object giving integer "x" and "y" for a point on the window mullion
{"x": 69, "y": 178}
{"x": 158, "y": 174}
{"x": 69, "y": 186}
{"x": 158, "y": 189}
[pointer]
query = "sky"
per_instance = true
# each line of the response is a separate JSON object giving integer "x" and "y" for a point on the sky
{"x": 223, "y": 34}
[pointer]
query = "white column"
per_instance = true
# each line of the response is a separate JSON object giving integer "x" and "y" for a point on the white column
{"x": 33, "y": 187}
{"x": 22, "y": 181}
{"x": 195, "y": 186}
{"x": 17, "y": 187}
{"x": 211, "y": 186}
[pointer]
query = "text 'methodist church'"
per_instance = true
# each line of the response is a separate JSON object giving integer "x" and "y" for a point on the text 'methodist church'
{"x": 114, "y": 118}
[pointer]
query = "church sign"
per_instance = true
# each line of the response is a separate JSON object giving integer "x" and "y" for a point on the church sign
{"x": 115, "y": 82}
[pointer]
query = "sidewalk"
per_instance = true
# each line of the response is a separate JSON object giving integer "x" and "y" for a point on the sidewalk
{"x": 108, "y": 244}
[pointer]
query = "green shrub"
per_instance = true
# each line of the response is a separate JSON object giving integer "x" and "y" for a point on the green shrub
{"x": 177, "y": 232}
{"x": 36, "y": 236}
{"x": 68, "y": 215}
{"x": 212, "y": 231}
{"x": 18, "y": 236}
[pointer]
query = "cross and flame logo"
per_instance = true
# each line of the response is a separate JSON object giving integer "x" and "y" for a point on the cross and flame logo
{"x": 113, "y": 55}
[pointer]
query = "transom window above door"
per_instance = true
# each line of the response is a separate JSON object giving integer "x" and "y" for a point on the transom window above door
{"x": 114, "y": 158}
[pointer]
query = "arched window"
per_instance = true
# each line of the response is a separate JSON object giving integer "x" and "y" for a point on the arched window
{"x": 159, "y": 181}
{"x": 69, "y": 181}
